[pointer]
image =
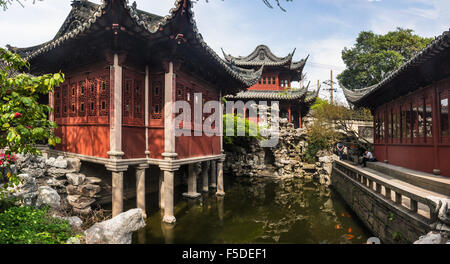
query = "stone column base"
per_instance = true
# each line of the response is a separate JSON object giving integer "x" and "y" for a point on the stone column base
{"x": 220, "y": 193}
{"x": 191, "y": 195}
{"x": 169, "y": 219}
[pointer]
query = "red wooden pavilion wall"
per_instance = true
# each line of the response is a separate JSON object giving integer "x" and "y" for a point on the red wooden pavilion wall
{"x": 413, "y": 132}
{"x": 82, "y": 111}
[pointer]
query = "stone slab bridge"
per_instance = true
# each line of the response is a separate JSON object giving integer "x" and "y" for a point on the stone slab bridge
{"x": 397, "y": 204}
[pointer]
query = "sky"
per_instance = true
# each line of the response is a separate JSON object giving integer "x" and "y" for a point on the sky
{"x": 319, "y": 28}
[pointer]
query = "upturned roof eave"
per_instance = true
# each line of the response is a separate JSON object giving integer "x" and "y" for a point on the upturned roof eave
{"x": 247, "y": 78}
{"x": 361, "y": 97}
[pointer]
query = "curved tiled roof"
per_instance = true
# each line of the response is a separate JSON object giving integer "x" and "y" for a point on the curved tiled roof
{"x": 439, "y": 45}
{"x": 262, "y": 55}
{"x": 89, "y": 13}
{"x": 270, "y": 95}
{"x": 354, "y": 95}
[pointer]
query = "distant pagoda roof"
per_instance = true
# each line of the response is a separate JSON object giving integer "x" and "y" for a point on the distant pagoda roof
{"x": 263, "y": 56}
{"x": 87, "y": 17}
{"x": 427, "y": 66}
{"x": 290, "y": 95}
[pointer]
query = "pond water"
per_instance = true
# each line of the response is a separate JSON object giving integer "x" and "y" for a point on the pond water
{"x": 257, "y": 210}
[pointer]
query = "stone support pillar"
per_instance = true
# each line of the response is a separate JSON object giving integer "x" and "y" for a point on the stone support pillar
{"x": 169, "y": 177}
{"x": 169, "y": 125}
{"x": 161, "y": 190}
{"x": 192, "y": 183}
{"x": 115, "y": 139}
{"x": 168, "y": 185}
{"x": 116, "y": 107}
{"x": 213, "y": 174}
{"x": 117, "y": 193}
{"x": 220, "y": 188}
{"x": 205, "y": 176}
{"x": 140, "y": 188}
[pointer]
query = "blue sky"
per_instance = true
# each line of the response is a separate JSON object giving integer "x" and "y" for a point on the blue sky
{"x": 320, "y": 28}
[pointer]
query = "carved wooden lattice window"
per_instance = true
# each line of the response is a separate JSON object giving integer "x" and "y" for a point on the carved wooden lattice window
{"x": 92, "y": 97}
{"x": 104, "y": 96}
{"x": 156, "y": 99}
{"x": 57, "y": 102}
{"x": 82, "y": 98}
{"x": 139, "y": 99}
{"x": 73, "y": 99}
{"x": 65, "y": 100}
{"x": 127, "y": 98}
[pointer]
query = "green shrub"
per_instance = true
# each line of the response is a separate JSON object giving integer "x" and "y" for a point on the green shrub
{"x": 251, "y": 129}
{"x": 28, "y": 225}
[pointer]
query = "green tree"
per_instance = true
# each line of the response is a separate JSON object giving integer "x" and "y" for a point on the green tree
{"x": 23, "y": 121}
{"x": 374, "y": 56}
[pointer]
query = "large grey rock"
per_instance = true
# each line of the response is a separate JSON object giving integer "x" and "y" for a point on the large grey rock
{"x": 431, "y": 238}
{"x": 34, "y": 172}
{"x": 50, "y": 161}
{"x": 76, "y": 178}
{"x": 117, "y": 230}
{"x": 74, "y": 164}
{"x": 58, "y": 173}
{"x": 80, "y": 202}
{"x": 28, "y": 183}
{"x": 48, "y": 196}
{"x": 89, "y": 190}
{"x": 443, "y": 207}
{"x": 326, "y": 159}
{"x": 60, "y": 162}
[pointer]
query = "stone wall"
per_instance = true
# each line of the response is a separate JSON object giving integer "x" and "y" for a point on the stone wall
{"x": 248, "y": 158}
{"x": 390, "y": 223}
{"x": 62, "y": 175}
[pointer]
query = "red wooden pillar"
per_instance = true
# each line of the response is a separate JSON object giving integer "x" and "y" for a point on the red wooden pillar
{"x": 436, "y": 129}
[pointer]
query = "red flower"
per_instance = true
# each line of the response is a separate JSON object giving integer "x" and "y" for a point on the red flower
{"x": 17, "y": 115}
{"x": 29, "y": 127}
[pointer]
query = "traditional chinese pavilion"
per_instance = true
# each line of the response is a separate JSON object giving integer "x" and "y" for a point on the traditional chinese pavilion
{"x": 124, "y": 69}
{"x": 410, "y": 109}
{"x": 275, "y": 83}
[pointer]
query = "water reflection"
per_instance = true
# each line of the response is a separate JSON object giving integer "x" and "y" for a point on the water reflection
{"x": 259, "y": 210}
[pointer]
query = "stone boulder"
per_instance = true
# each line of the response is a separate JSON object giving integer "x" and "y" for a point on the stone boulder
{"x": 88, "y": 190}
{"x": 74, "y": 164}
{"x": 117, "y": 230}
{"x": 50, "y": 161}
{"x": 58, "y": 173}
{"x": 79, "y": 202}
{"x": 48, "y": 196}
{"x": 76, "y": 178}
{"x": 431, "y": 238}
{"x": 60, "y": 162}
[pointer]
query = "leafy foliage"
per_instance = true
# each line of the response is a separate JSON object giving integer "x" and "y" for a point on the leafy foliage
{"x": 332, "y": 121}
{"x": 230, "y": 135}
{"x": 374, "y": 56}
{"x": 28, "y": 225}
{"x": 23, "y": 121}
